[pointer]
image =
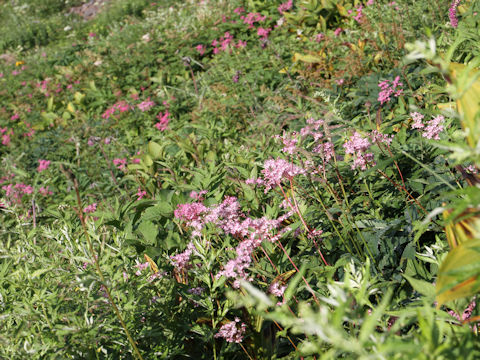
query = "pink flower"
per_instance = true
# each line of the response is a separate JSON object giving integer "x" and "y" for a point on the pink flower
{"x": 141, "y": 194}
{"x": 198, "y": 195}
{"x": 338, "y": 31}
{"x": 239, "y": 10}
{"x": 389, "y": 88}
{"x": 285, "y": 6}
{"x": 277, "y": 289}
{"x": 14, "y": 117}
{"x": 201, "y": 49}
{"x": 181, "y": 260}
{"x": 90, "y": 208}
{"x": 141, "y": 267}
{"x": 120, "y": 163}
{"x": 5, "y": 139}
{"x": 44, "y": 191}
{"x": 164, "y": 120}
{"x": 319, "y": 37}
{"x": 276, "y": 171}
{"x": 263, "y": 33}
{"x": 146, "y": 105}
{"x": 231, "y": 333}
{"x": 43, "y": 165}
{"x": 434, "y": 128}
{"x": 358, "y": 146}
{"x": 452, "y": 13}
{"x": 417, "y": 120}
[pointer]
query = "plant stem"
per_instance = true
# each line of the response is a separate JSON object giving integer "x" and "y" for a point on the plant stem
{"x": 97, "y": 267}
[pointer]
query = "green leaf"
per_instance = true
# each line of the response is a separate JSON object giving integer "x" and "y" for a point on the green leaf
{"x": 421, "y": 286}
{"x": 458, "y": 273}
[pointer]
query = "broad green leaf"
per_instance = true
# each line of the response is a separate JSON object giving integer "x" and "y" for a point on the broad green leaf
{"x": 421, "y": 286}
{"x": 467, "y": 82}
{"x": 155, "y": 150}
{"x": 458, "y": 274}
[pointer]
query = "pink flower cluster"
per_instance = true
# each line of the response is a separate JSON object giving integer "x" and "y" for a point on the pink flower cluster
{"x": 90, "y": 208}
{"x": 43, "y": 165}
{"x": 230, "y": 332}
{"x": 225, "y": 42}
{"x": 163, "y": 121}
{"x": 275, "y": 171}
{"x": 146, "y": 105}
{"x": 141, "y": 194}
{"x": 263, "y": 33}
{"x": 120, "y": 163}
{"x": 452, "y": 13}
{"x": 45, "y": 191}
{"x": 433, "y": 128}
{"x": 285, "y": 7}
{"x": 201, "y": 49}
{"x": 228, "y": 217}
{"x": 15, "y": 193}
{"x": 252, "y": 18}
{"x": 6, "y": 135}
{"x": 180, "y": 261}
{"x": 389, "y": 88}
{"x": 359, "y": 13}
{"x": 358, "y": 146}
{"x": 120, "y": 106}
{"x": 140, "y": 267}
{"x": 277, "y": 289}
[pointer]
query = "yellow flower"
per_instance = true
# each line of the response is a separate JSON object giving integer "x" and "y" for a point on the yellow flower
{"x": 18, "y": 63}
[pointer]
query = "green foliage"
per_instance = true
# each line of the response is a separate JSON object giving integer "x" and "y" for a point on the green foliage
{"x": 143, "y": 118}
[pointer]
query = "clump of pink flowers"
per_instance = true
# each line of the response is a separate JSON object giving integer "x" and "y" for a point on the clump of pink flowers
{"x": 285, "y": 7}
{"x": 43, "y": 165}
{"x": 358, "y": 146}
{"x": 231, "y": 332}
{"x": 90, "y": 208}
{"x": 146, "y": 105}
{"x": 277, "y": 289}
{"x": 452, "y": 13}
{"x": 389, "y": 88}
{"x": 120, "y": 106}
{"x": 359, "y": 13}
{"x": 432, "y": 129}
{"x": 275, "y": 171}
{"x": 200, "y": 48}
{"x": 163, "y": 121}
{"x": 120, "y": 163}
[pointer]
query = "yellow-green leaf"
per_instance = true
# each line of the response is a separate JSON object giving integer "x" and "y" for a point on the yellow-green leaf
{"x": 467, "y": 82}
{"x": 459, "y": 271}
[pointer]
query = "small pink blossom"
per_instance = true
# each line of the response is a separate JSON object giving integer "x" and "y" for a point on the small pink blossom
{"x": 452, "y": 13}
{"x": 319, "y": 37}
{"x": 44, "y": 191}
{"x": 141, "y": 267}
{"x": 141, "y": 194}
{"x": 120, "y": 163}
{"x": 201, "y": 49}
{"x": 285, "y": 6}
{"x": 263, "y": 33}
{"x": 277, "y": 289}
{"x": 434, "y": 128}
{"x": 146, "y": 105}
{"x": 338, "y": 31}
{"x": 43, "y": 165}
{"x": 90, "y": 208}
{"x": 417, "y": 120}
{"x": 231, "y": 333}
{"x": 164, "y": 120}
